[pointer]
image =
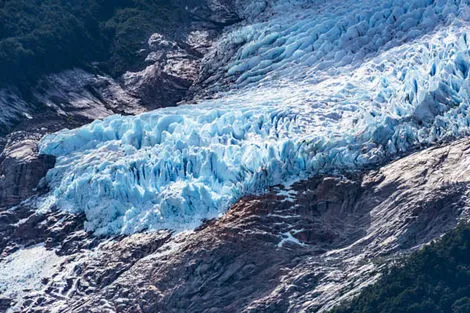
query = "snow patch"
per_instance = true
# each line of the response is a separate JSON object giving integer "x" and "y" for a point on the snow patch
{"x": 288, "y": 237}
{"x": 23, "y": 271}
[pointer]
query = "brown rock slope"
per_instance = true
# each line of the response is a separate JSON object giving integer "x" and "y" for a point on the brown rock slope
{"x": 296, "y": 249}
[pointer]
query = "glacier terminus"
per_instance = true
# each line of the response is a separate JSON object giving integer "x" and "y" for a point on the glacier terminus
{"x": 310, "y": 87}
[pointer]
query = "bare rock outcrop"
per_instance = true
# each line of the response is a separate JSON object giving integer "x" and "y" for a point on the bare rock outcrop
{"x": 21, "y": 168}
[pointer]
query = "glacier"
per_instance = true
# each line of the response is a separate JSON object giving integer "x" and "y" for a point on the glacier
{"x": 304, "y": 87}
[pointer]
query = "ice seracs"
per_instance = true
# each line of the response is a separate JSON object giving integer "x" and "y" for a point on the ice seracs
{"x": 294, "y": 109}
{"x": 311, "y": 40}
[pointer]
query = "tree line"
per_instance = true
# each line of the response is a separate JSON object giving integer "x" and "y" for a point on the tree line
{"x": 44, "y": 36}
{"x": 435, "y": 279}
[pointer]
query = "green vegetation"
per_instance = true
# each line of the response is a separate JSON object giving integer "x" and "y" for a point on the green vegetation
{"x": 435, "y": 279}
{"x": 43, "y": 36}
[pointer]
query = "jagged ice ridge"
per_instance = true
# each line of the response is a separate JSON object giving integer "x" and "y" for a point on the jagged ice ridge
{"x": 315, "y": 87}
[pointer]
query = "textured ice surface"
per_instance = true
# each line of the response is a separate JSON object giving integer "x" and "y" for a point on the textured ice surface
{"x": 22, "y": 271}
{"x": 316, "y": 87}
{"x": 310, "y": 40}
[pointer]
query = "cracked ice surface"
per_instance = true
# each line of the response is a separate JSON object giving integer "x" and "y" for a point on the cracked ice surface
{"x": 292, "y": 112}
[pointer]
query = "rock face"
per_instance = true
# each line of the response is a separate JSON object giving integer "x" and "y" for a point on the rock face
{"x": 164, "y": 69}
{"x": 21, "y": 168}
{"x": 295, "y": 249}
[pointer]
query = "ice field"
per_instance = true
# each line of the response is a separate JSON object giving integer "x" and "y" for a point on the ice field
{"x": 309, "y": 87}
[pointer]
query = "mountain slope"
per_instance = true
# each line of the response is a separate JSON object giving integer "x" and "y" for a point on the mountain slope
{"x": 320, "y": 142}
{"x": 89, "y": 59}
{"x": 296, "y": 249}
{"x": 108, "y": 32}
{"x": 433, "y": 280}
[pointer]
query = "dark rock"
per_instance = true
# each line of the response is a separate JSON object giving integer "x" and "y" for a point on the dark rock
{"x": 21, "y": 168}
{"x": 5, "y": 303}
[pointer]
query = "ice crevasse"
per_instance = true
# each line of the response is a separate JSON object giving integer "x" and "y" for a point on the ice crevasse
{"x": 314, "y": 87}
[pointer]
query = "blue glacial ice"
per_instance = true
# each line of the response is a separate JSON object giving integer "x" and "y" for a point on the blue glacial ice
{"x": 316, "y": 87}
{"x": 311, "y": 40}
